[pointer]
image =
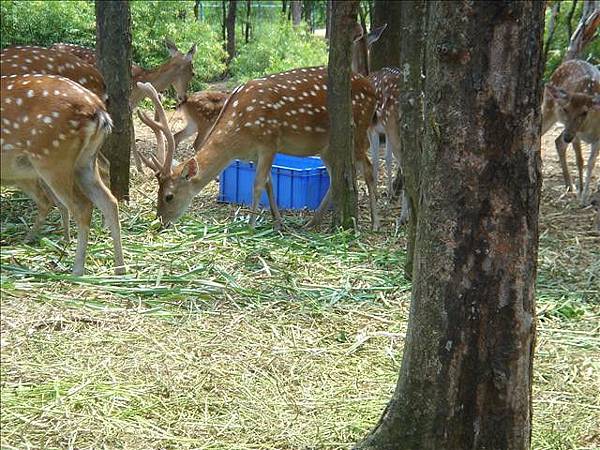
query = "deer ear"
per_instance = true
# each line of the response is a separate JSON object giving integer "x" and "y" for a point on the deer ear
{"x": 190, "y": 170}
{"x": 358, "y": 32}
{"x": 171, "y": 47}
{"x": 190, "y": 54}
{"x": 375, "y": 34}
{"x": 558, "y": 94}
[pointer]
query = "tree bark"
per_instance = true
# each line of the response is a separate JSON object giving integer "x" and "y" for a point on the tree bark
{"x": 224, "y": 23}
{"x": 231, "y": 30}
{"x": 341, "y": 139}
{"x": 296, "y": 12}
{"x": 569, "y": 19}
{"x": 411, "y": 49}
{"x": 466, "y": 374}
{"x": 385, "y": 52}
{"x": 113, "y": 53}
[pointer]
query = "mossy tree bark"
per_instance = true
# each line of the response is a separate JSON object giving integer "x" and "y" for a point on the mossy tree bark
{"x": 341, "y": 139}
{"x": 386, "y": 51}
{"x": 465, "y": 379}
{"x": 113, "y": 48}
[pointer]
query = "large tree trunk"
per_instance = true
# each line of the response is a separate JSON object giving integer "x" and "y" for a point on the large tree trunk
{"x": 113, "y": 48}
{"x": 341, "y": 139}
{"x": 466, "y": 374}
{"x": 296, "y": 12}
{"x": 386, "y": 52}
{"x": 231, "y": 30}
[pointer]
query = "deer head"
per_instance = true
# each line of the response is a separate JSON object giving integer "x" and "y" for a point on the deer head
{"x": 573, "y": 108}
{"x": 361, "y": 45}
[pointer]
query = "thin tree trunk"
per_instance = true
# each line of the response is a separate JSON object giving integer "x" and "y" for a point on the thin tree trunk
{"x": 296, "y": 12}
{"x": 283, "y": 6}
{"x": 385, "y": 52}
{"x": 231, "y": 30}
{"x": 551, "y": 28}
{"x": 569, "y": 19}
{"x": 411, "y": 49}
{"x": 224, "y": 24}
{"x": 466, "y": 374}
{"x": 328, "y": 19}
{"x": 341, "y": 139}
{"x": 113, "y": 50}
{"x": 197, "y": 10}
{"x": 248, "y": 11}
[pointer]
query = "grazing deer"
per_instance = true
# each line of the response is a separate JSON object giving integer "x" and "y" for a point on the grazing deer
{"x": 285, "y": 112}
{"x": 57, "y": 136}
{"x": 201, "y": 110}
{"x": 572, "y": 97}
{"x": 22, "y": 60}
{"x": 177, "y": 71}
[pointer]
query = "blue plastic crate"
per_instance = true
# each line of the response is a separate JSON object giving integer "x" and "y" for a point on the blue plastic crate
{"x": 298, "y": 182}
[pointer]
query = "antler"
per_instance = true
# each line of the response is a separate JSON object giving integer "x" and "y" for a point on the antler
{"x": 164, "y": 161}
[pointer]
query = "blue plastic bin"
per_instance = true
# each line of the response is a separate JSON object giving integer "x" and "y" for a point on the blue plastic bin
{"x": 298, "y": 182}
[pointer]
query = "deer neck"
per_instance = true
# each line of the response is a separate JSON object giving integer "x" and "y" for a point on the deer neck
{"x": 212, "y": 159}
{"x": 159, "y": 77}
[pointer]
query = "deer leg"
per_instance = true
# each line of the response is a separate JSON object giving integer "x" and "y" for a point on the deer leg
{"x": 579, "y": 160}
{"x": 64, "y": 214}
{"x": 62, "y": 186}
{"x": 33, "y": 189}
{"x": 263, "y": 169}
{"x": 561, "y": 149}
{"x": 389, "y": 163}
{"x": 373, "y": 136}
{"x": 89, "y": 181}
{"x": 320, "y": 212}
{"x": 273, "y": 204}
{"x": 589, "y": 170}
{"x": 372, "y": 189}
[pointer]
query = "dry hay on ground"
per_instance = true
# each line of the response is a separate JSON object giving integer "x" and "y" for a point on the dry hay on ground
{"x": 223, "y": 337}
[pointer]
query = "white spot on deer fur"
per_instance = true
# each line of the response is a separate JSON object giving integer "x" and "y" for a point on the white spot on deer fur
{"x": 30, "y": 93}
{"x": 229, "y": 123}
{"x": 45, "y": 93}
{"x": 33, "y": 131}
{"x": 248, "y": 124}
{"x": 307, "y": 128}
{"x": 8, "y": 100}
{"x": 5, "y": 130}
{"x": 47, "y": 119}
{"x": 55, "y": 143}
{"x": 6, "y": 121}
{"x": 50, "y": 66}
{"x": 16, "y": 125}
{"x": 301, "y": 110}
{"x": 61, "y": 136}
{"x": 9, "y": 87}
{"x": 46, "y": 151}
{"x": 56, "y": 92}
{"x": 249, "y": 108}
{"x": 7, "y": 147}
{"x": 74, "y": 123}
{"x": 55, "y": 114}
{"x": 19, "y": 101}
{"x": 320, "y": 130}
{"x": 294, "y": 126}
{"x": 235, "y": 103}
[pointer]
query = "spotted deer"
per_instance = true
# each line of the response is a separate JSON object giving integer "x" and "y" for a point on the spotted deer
{"x": 284, "y": 112}
{"x": 21, "y": 60}
{"x": 361, "y": 45}
{"x": 176, "y": 71}
{"x": 200, "y": 110}
{"x": 385, "y": 121}
{"x": 57, "y": 137}
{"x": 572, "y": 97}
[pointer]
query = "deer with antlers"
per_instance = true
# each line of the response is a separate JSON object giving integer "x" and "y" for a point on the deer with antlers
{"x": 56, "y": 138}
{"x": 572, "y": 97}
{"x": 285, "y": 112}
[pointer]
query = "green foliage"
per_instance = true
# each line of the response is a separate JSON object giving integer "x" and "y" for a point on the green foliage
{"x": 277, "y": 47}
{"x": 45, "y": 23}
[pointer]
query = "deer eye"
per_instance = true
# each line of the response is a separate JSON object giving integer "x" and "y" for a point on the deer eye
{"x": 168, "y": 197}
